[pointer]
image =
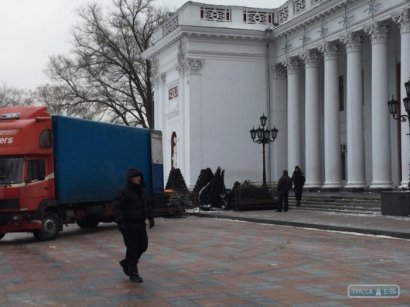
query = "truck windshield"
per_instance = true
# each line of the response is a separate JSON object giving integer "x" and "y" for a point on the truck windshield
{"x": 10, "y": 170}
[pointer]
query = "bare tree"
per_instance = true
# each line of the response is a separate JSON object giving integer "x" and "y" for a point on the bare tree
{"x": 10, "y": 96}
{"x": 59, "y": 100}
{"x": 105, "y": 73}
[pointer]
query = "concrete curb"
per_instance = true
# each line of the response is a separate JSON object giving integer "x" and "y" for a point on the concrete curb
{"x": 376, "y": 232}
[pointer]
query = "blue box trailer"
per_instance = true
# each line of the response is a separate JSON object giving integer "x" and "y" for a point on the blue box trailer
{"x": 91, "y": 159}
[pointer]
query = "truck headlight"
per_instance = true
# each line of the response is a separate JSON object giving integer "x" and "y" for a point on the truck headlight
{"x": 16, "y": 218}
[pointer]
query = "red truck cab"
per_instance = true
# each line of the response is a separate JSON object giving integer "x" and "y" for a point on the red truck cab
{"x": 26, "y": 172}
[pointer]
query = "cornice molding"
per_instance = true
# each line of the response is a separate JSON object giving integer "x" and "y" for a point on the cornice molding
{"x": 228, "y": 55}
{"x": 198, "y": 32}
{"x": 162, "y": 45}
{"x": 256, "y": 36}
{"x": 303, "y": 21}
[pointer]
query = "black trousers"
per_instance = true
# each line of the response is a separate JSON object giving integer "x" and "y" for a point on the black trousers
{"x": 283, "y": 201}
{"x": 298, "y": 194}
{"x": 135, "y": 240}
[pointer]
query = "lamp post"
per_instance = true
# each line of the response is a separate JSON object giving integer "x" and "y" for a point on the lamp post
{"x": 393, "y": 105}
{"x": 263, "y": 135}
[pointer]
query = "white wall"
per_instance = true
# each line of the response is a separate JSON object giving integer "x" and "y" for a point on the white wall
{"x": 226, "y": 100}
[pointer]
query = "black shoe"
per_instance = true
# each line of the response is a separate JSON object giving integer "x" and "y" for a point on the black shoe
{"x": 279, "y": 210}
{"x": 134, "y": 275}
{"x": 136, "y": 278}
{"x": 286, "y": 210}
{"x": 123, "y": 263}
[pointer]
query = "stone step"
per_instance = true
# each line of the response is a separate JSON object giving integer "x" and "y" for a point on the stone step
{"x": 344, "y": 195}
{"x": 360, "y": 203}
{"x": 339, "y": 203}
{"x": 339, "y": 210}
{"x": 340, "y": 207}
{"x": 341, "y": 198}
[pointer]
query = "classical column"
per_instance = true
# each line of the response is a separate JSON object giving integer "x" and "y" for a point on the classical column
{"x": 381, "y": 157}
{"x": 333, "y": 163}
{"x": 404, "y": 22}
{"x": 312, "y": 121}
{"x": 279, "y": 154}
{"x": 354, "y": 111}
{"x": 294, "y": 116}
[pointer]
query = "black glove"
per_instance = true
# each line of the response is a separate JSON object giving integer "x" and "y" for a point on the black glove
{"x": 121, "y": 226}
{"x": 151, "y": 223}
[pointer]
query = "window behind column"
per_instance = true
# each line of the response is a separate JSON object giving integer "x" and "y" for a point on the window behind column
{"x": 341, "y": 94}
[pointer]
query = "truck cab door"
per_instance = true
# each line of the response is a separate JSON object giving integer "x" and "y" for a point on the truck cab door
{"x": 36, "y": 187}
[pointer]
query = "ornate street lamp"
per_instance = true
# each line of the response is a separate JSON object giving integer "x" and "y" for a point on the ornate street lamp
{"x": 263, "y": 135}
{"x": 407, "y": 86}
{"x": 393, "y": 105}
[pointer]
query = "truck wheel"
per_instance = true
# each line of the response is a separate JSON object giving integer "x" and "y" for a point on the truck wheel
{"x": 51, "y": 227}
{"x": 88, "y": 222}
{"x": 2, "y": 235}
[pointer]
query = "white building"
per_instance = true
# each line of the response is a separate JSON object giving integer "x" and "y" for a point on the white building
{"x": 322, "y": 70}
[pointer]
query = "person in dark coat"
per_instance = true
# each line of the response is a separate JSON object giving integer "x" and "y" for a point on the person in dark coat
{"x": 130, "y": 211}
{"x": 298, "y": 179}
{"x": 284, "y": 186}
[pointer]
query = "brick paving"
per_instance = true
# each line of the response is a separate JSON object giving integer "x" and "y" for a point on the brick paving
{"x": 203, "y": 262}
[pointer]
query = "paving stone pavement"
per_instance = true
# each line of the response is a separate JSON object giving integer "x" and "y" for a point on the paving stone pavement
{"x": 203, "y": 262}
{"x": 375, "y": 224}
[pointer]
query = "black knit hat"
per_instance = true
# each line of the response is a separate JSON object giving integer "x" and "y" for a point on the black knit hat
{"x": 134, "y": 172}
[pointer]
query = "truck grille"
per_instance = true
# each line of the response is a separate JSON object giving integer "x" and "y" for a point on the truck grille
{"x": 9, "y": 204}
{"x": 4, "y": 218}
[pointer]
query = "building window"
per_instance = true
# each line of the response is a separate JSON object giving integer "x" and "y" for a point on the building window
{"x": 173, "y": 93}
{"x": 343, "y": 150}
{"x": 314, "y": 2}
{"x": 215, "y": 14}
{"x": 257, "y": 17}
{"x": 341, "y": 94}
{"x": 283, "y": 15}
{"x": 362, "y": 86}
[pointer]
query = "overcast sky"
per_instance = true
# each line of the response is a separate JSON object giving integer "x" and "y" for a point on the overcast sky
{"x": 32, "y": 30}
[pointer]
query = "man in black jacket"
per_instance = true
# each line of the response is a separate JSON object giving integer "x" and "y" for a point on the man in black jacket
{"x": 284, "y": 186}
{"x": 131, "y": 209}
{"x": 298, "y": 179}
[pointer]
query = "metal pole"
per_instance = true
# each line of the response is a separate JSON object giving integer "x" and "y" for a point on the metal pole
{"x": 408, "y": 184}
{"x": 264, "y": 171}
